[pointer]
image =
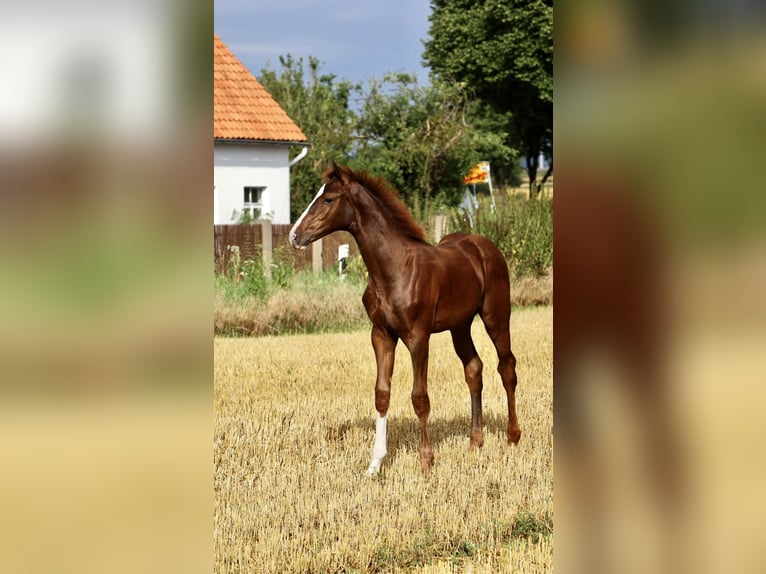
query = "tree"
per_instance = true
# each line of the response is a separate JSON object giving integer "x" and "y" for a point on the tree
{"x": 503, "y": 49}
{"x": 417, "y": 137}
{"x": 320, "y": 106}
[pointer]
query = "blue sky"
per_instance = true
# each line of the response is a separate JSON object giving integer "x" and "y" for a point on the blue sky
{"x": 353, "y": 40}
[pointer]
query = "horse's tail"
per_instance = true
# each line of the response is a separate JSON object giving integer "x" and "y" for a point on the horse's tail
{"x": 496, "y": 314}
{"x": 497, "y": 281}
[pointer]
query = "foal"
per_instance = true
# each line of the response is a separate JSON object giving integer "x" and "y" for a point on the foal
{"x": 415, "y": 289}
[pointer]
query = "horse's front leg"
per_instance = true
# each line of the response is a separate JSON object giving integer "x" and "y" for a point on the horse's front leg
{"x": 418, "y": 347}
{"x": 384, "y": 345}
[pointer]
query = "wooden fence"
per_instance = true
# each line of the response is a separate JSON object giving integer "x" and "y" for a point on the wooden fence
{"x": 270, "y": 243}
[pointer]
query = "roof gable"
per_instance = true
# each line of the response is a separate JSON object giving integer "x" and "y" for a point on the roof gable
{"x": 242, "y": 108}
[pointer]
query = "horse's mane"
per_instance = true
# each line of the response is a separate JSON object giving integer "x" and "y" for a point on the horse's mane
{"x": 387, "y": 197}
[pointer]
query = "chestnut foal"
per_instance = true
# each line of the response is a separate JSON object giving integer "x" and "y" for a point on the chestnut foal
{"x": 415, "y": 289}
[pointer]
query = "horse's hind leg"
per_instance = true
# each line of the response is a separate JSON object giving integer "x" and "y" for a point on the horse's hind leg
{"x": 496, "y": 316}
{"x": 464, "y": 347}
{"x": 418, "y": 347}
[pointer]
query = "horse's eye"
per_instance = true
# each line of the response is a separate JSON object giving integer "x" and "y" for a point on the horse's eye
{"x": 329, "y": 200}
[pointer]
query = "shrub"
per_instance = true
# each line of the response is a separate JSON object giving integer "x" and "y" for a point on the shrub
{"x": 282, "y": 267}
{"x": 242, "y": 279}
{"x": 245, "y": 280}
{"x": 249, "y": 303}
{"x": 521, "y": 228}
{"x": 295, "y": 303}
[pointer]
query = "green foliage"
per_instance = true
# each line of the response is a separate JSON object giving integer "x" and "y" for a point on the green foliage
{"x": 249, "y": 303}
{"x": 417, "y": 137}
{"x": 521, "y": 228}
{"x": 493, "y": 143}
{"x": 356, "y": 271}
{"x": 244, "y": 280}
{"x": 490, "y": 98}
{"x": 527, "y": 525}
{"x": 305, "y": 303}
{"x": 282, "y": 267}
{"x": 319, "y": 104}
{"x": 491, "y": 42}
{"x": 504, "y": 50}
{"x": 246, "y": 217}
{"x": 426, "y": 548}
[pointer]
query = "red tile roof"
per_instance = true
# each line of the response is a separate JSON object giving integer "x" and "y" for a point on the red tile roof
{"x": 242, "y": 108}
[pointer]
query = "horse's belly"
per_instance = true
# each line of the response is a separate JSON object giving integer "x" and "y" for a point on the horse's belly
{"x": 457, "y": 307}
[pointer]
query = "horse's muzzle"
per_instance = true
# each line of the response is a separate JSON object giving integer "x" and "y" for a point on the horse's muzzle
{"x": 300, "y": 241}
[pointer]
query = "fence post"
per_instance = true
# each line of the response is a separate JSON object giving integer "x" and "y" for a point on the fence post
{"x": 316, "y": 256}
{"x": 440, "y": 226}
{"x": 266, "y": 246}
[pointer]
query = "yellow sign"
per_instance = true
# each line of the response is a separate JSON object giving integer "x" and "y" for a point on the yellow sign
{"x": 478, "y": 173}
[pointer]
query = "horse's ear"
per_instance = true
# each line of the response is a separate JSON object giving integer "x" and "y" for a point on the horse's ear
{"x": 330, "y": 172}
{"x": 341, "y": 173}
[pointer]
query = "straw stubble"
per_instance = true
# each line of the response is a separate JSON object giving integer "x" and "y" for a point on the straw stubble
{"x": 294, "y": 427}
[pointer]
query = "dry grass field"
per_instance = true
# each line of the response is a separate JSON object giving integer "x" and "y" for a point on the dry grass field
{"x": 294, "y": 427}
{"x": 324, "y": 303}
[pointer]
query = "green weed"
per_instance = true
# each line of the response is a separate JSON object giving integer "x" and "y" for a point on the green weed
{"x": 522, "y": 229}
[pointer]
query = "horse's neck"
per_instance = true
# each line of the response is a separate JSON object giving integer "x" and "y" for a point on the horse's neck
{"x": 382, "y": 245}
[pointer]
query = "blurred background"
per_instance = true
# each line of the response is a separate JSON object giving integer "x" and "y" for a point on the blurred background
{"x": 106, "y": 290}
{"x": 105, "y": 286}
{"x": 660, "y": 271}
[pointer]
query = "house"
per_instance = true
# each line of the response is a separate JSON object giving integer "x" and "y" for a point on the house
{"x": 252, "y": 136}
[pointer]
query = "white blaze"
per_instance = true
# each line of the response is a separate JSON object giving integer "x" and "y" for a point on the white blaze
{"x": 379, "y": 450}
{"x": 297, "y": 223}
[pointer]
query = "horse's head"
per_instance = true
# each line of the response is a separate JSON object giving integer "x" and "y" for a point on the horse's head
{"x": 329, "y": 211}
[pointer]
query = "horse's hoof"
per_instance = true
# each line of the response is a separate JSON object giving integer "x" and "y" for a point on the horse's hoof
{"x": 426, "y": 462}
{"x": 373, "y": 470}
{"x": 513, "y": 437}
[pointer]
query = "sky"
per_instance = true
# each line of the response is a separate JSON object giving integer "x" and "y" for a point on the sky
{"x": 353, "y": 40}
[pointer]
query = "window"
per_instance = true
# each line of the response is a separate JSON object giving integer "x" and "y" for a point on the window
{"x": 253, "y": 202}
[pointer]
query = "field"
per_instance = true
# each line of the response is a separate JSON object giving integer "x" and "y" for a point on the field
{"x": 294, "y": 427}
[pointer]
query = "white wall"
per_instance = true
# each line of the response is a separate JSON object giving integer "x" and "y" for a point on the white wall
{"x": 237, "y": 166}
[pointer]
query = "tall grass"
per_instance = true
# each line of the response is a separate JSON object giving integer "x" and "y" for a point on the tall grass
{"x": 249, "y": 303}
{"x": 294, "y": 427}
{"x": 521, "y": 228}
{"x": 308, "y": 303}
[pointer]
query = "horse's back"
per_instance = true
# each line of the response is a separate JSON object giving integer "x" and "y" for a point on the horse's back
{"x": 481, "y": 251}
{"x": 455, "y": 238}
{"x": 484, "y": 244}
